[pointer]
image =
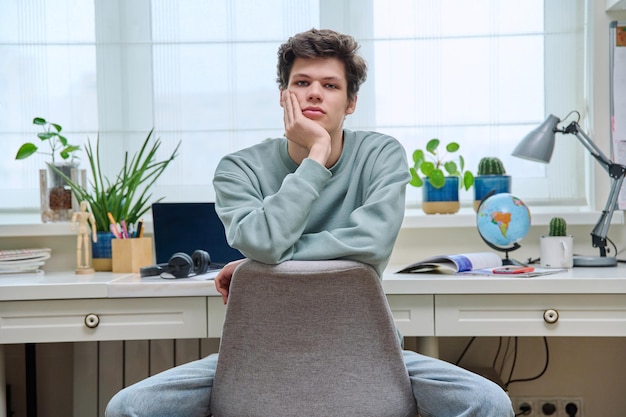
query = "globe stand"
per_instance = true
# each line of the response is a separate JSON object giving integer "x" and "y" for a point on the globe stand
{"x": 506, "y": 260}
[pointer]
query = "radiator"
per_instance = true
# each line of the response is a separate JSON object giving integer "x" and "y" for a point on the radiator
{"x": 103, "y": 368}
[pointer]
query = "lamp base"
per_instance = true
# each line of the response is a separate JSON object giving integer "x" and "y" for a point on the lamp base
{"x": 595, "y": 261}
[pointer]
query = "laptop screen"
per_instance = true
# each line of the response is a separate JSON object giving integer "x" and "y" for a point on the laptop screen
{"x": 186, "y": 227}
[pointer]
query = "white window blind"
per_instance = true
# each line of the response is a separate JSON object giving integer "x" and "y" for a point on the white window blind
{"x": 482, "y": 73}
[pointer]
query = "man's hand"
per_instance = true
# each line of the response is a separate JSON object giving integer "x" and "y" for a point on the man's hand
{"x": 223, "y": 278}
{"x": 303, "y": 131}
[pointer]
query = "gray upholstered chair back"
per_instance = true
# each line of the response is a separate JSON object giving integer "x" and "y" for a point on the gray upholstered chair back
{"x": 309, "y": 338}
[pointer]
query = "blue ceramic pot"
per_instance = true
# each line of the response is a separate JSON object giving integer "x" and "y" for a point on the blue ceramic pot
{"x": 101, "y": 252}
{"x": 443, "y": 200}
{"x": 102, "y": 248}
{"x": 484, "y": 184}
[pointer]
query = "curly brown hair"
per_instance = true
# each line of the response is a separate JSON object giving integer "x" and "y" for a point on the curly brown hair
{"x": 323, "y": 43}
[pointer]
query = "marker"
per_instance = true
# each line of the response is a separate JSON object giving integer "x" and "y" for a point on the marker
{"x": 124, "y": 229}
{"x": 139, "y": 232}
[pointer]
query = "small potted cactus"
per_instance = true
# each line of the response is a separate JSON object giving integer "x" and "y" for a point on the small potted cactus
{"x": 557, "y": 247}
{"x": 558, "y": 227}
{"x": 490, "y": 178}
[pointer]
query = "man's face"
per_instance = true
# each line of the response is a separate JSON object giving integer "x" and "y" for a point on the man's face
{"x": 322, "y": 90}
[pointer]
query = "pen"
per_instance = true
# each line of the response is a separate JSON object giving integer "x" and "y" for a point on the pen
{"x": 124, "y": 229}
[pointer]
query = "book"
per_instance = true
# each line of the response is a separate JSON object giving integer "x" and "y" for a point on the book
{"x": 22, "y": 260}
{"x": 454, "y": 264}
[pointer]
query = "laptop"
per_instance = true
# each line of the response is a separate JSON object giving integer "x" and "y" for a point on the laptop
{"x": 187, "y": 227}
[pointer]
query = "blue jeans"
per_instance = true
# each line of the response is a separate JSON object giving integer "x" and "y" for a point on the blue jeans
{"x": 440, "y": 388}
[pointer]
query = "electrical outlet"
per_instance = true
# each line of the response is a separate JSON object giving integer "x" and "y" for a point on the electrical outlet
{"x": 548, "y": 406}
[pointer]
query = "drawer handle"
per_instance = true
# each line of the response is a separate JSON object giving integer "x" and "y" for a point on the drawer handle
{"x": 551, "y": 316}
{"x": 92, "y": 320}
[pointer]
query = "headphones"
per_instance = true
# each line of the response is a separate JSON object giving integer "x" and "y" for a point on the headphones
{"x": 180, "y": 265}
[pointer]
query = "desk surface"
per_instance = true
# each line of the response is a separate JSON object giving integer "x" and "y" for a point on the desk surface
{"x": 67, "y": 285}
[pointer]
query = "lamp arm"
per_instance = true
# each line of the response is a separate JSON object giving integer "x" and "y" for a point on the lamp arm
{"x": 616, "y": 172}
{"x": 601, "y": 229}
{"x": 588, "y": 143}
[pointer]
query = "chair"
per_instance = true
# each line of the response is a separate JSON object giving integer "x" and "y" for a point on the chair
{"x": 309, "y": 338}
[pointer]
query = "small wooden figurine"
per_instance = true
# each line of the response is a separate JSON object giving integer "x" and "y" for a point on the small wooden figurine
{"x": 85, "y": 219}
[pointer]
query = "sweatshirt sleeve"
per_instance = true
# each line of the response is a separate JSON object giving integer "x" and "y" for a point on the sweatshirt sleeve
{"x": 266, "y": 229}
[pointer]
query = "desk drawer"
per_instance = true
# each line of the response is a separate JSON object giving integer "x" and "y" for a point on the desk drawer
{"x": 530, "y": 315}
{"x": 110, "y": 319}
{"x": 413, "y": 314}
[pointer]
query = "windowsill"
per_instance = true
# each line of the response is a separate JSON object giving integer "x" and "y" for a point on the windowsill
{"x": 23, "y": 225}
{"x": 415, "y": 218}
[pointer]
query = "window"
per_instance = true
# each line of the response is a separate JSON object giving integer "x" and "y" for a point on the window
{"x": 203, "y": 72}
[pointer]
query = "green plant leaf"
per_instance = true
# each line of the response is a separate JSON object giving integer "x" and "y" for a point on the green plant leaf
{"x": 39, "y": 121}
{"x": 63, "y": 140}
{"x": 452, "y": 147}
{"x": 462, "y": 162}
{"x": 418, "y": 157}
{"x": 26, "y": 150}
{"x": 46, "y": 135}
{"x": 57, "y": 127}
{"x": 437, "y": 178}
{"x": 416, "y": 180}
{"x": 468, "y": 180}
{"x": 432, "y": 145}
{"x": 427, "y": 168}
{"x": 451, "y": 168}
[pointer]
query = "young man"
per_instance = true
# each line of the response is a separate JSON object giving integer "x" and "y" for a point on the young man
{"x": 320, "y": 192}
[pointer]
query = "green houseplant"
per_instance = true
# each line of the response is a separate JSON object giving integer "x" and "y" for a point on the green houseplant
{"x": 490, "y": 178}
{"x": 444, "y": 172}
{"x": 127, "y": 196}
{"x": 52, "y": 135}
{"x": 56, "y": 196}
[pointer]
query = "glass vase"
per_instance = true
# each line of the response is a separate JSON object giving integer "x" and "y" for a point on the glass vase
{"x": 57, "y": 201}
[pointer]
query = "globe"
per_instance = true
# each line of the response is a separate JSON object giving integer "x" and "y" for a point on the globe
{"x": 503, "y": 220}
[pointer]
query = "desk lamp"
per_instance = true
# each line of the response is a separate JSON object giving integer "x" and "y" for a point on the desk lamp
{"x": 538, "y": 146}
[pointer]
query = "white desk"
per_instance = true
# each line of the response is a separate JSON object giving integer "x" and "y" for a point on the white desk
{"x": 64, "y": 307}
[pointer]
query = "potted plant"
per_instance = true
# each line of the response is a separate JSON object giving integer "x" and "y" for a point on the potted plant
{"x": 557, "y": 248}
{"x": 56, "y": 196}
{"x": 124, "y": 198}
{"x": 490, "y": 178}
{"x": 443, "y": 177}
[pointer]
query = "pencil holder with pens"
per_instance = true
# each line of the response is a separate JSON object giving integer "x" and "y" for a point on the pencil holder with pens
{"x": 129, "y": 255}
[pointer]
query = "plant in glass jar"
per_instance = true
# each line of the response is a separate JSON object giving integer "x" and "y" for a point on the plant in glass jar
{"x": 55, "y": 194}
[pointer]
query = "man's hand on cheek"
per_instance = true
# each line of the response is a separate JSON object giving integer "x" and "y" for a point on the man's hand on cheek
{"x": 303, "y": 131}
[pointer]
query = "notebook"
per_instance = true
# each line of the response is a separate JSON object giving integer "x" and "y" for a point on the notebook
{"x": 186, "y": 227}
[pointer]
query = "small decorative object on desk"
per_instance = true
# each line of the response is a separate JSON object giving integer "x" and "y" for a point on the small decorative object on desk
{"x": 23, "y": 260}
{"x": 86, "y": 222}
{"x": 557, "y": 248}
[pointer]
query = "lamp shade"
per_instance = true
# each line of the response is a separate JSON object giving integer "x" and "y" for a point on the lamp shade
{"x": 539, "y": 143}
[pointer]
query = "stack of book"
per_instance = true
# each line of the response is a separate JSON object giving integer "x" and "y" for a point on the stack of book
{"x": 22, "y": 260}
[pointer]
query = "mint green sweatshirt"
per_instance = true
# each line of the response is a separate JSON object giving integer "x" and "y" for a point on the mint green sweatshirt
{"x": 274, "y": 210}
